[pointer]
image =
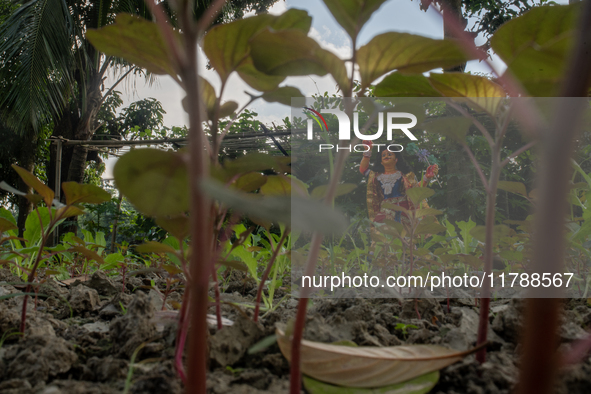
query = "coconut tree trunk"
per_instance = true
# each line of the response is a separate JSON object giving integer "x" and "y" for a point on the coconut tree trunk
{"x": 27, "y": 155}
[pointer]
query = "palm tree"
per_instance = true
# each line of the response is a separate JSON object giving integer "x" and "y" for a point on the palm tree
{"x": 51, "y": 74}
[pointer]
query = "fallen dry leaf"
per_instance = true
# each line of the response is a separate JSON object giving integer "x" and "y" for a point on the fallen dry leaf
{"x": 369, "y": 367}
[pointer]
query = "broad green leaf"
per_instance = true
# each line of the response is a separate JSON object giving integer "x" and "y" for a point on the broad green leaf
{"x": 113, "y": 260}
{"x": 465, "y": 228}
{"x": 582, "y": 233}
{"x": 471, "y": 260}
{"x": 499, "y": 231}
{"x": 455, "y": 127}
{"x": 250, "y": 182}
{"x": 309, "y": 215}
{"x": 88, "y": 254}
{"x": 249, "y": 163}
{"x": 344, "y": 188}
{"x": 282, "y": 95}
{"x": 367, "y": 366}
{"x": 420, "y": 385}
{"x": 178, "y": 226}
{"x": 33, "y": 232}
{"x": 33, "y": 182}
{"x": 154, "y": 247}
{"x": 208, "y": 94}
{"x": 68, "y": 211}
{"x": 429, "y": 228}
{"x": 394, "y": 207}
{"x": 352, "y": 14}
{"x": 154, "y": 181}
{"x": 256, "y": 79}
{"x": 418, "y": 194}
{"x": 226, "y": 109}
{"x": 235, "y": 264}
{"x": 6, "y": 225}
{"x": 400, "y": 85}
{"x": 227, "y": 45}
{"x": 419, "y": 213}
{"x": 406, "y": 53}
{"x": 6, "y": 214}
{"x": 512, "y": 255}
{"x": 136, "y": 40}
{"x": 513, "y": 187}
{"x": 276, "y": 185}
{"x": 536, "y": 45}
{"x": 479, "y": 92}
{"x": 293, "y": 53}
{"x": 77, "y": 193}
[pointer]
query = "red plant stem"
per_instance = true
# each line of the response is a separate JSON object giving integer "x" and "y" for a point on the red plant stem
{"x": 30, "y": 279}
{"x": 298, "y": 329}
{"x": 181, "y": 336}
{"x": 491, "y": 200}
{"x": 540, "y": 360}
{"x": 266, "y": 274}
{"x": 218, "y": 308}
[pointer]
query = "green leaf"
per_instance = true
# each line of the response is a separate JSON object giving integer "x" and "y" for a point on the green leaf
{"x": 276, "y": 185}
{"x": 308, "y": 215}
{"x": 352, "y": 14}
{"x": 256, "y": 79}
{"x": 465, "y": 228}
{"x": 33, "y": 182}
{"x": 154, "y": 247}
{"x": 536, "y": 45}
{"x": 154, "y": 181}
{"x": 343, "y": 188}
{"x": 513, "y": 187}
{"x": 499, "y": 231}
{"x": 293, "y": 53}
{"x": 512, "y": 255}
{"x": 479, "y": 92}
{"x": 394, "y": 207}
{"x": 282, "y": 95}
{"x": 250, "y": 182}
{"x": 6, "y": 225}
{"x": 33, "y": 232}
{"x": 418, "y": 194}
{"x": 77, "y": 193}
{"x": 251, "y": 162}
{"x": 88, "y": 254}
{"x": 226, "y": 109}
{"x": 237, "y": 265}
{"x": 419, "y": 385}
{"x": 407, "y": 53}
{"x": 455, "y": 127}
{"x": 68, "y": 211}
{"x": 263, "y": 344}
{"x": 400, "y": 85}
{"x": 419, "y": 213}
{"x": 227, "y": 45}
{"x": 136, "y": 40}
{"x": 178, "y": 226}
{"x": 429, "y": 228}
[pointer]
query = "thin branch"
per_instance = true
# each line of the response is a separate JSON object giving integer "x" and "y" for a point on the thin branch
{"x": 115, "y": 85}
{"x": 476, "y": 123}
{"x": 210, "y": 14}
{"x": 517, "y": 153}
{"x": 477, "y": 166}
{"x": 105, "y": 66}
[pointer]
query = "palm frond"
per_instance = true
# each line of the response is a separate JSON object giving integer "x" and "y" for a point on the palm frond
{"x": 36, "y": 58}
